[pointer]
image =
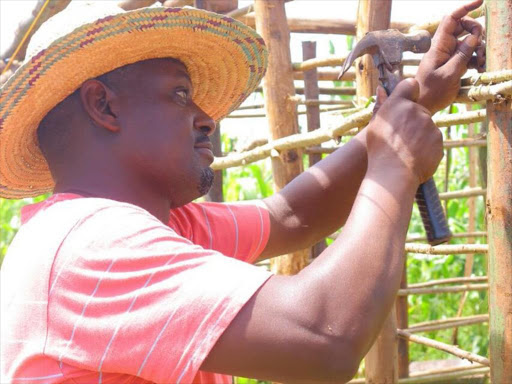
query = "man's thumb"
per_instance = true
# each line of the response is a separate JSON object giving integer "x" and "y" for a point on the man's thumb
{"x": 408, "y": 89}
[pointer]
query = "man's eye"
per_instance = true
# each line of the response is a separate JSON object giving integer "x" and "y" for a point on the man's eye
{"x": 183, "y": 94}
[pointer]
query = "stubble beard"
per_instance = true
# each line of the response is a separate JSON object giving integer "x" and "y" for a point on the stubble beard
{"x": 206, "y": 181}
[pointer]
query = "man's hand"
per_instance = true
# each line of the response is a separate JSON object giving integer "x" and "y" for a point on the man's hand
{"x": 402, "y": 135}
{"x": 448, "y": 58}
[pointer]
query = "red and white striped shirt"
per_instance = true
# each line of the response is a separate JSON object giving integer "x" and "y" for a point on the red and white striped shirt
{"x": 98, "y": 291}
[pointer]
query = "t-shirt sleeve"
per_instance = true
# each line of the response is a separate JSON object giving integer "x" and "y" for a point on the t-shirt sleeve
{"x": 139, "y": 299}
{"x": 239, "y": 230}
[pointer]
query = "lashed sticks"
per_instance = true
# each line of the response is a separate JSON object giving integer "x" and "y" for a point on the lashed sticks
{"x": 443, "y": 347}
{"x": 356, "y": 120}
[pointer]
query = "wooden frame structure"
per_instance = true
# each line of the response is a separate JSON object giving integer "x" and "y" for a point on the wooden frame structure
{"x": 388, "y": 360}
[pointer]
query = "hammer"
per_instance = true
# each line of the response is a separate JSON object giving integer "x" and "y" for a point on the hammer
{"x": 386, "y": 48}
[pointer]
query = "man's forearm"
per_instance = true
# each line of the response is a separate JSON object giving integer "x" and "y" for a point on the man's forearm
{"x": 318, "y": 202}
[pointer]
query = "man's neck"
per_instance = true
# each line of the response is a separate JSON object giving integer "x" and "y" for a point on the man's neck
{"x": 154, "y": 204}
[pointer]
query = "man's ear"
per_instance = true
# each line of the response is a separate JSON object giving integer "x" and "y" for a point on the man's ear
{"x": 99, "y": 103}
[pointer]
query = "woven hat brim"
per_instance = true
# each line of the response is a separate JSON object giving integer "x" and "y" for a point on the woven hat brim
{"x": 225, "y": 60}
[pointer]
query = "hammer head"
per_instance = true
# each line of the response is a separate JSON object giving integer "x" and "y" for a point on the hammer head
{"x": 386, "y": 48}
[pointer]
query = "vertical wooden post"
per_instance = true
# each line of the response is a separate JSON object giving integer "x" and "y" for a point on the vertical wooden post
{"x": 402, "y": 322}
{"x": 281, "y": 110}
{"x": 215, "y": 193}
{"x": 499, "y": 195}
{"x": 372, "y": 15}
{"x": 313, "y": 116}
{"x": 220, "y": 6}
{"x": 381, "y": 366}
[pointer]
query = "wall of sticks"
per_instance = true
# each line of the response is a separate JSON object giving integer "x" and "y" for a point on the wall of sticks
{"x": 388, "y": 361}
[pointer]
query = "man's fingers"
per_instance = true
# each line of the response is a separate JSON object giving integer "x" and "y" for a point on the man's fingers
{"x": 381, "y": 98}
{"x": 451, "y": 24}
{"x": 472, "y": 26}
{"x": 465, "y": 9}
{"x": 459, "y": 61}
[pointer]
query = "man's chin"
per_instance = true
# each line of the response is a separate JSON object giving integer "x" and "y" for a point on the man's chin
{"x": 206, "y": 181}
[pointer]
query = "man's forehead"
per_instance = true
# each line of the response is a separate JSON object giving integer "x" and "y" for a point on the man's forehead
{"x": 164, "y": 67}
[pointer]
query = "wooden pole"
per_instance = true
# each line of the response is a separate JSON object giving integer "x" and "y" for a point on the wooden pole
{"x": 381, "y": 363}
{"x": 402, "y": 322}
{"x": 215, "y": 193}
{"x": 313, "y": 116}
{"x": 473, "y": 181}
{"x": 499, "y": 195}
{"x": 281, "y": 109}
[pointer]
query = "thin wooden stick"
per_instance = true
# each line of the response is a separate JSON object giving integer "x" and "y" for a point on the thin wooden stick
{"x": 452, "y": 280}
{"x": 446, "y": 144}
{"x": 435, "y": 290}
{"x": 437, "y": 325}
{"x": 467, "y": 192}
{"x": 455, "y": 236}
{"x": 500, "y": 91}
{"x": 318, "y": 136}
{"x": 443, "y": 347}
{"x": 253, "y": 115}
{"x": 456, "y": 249}
{"x": 487, "y": 77}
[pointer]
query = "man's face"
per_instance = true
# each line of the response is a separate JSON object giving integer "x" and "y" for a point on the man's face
{"x": 164, "y": 135}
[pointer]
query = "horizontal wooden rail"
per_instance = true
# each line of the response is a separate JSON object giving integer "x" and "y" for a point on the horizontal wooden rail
{"x": 455, "y": 249}
{"x": 467, "y": 192}
{"x": 461, "y": 235}
{"x": 357, "y": 120}
{"x": 324, "y": 26}
{"x": 437, "y": 325}
{"x": 336, "y": 61}
{"x": 436, "y": 290}
{"x": 443, "y": 347}
{"x": 488, "y": 77}
{"x": 446, "y": 144}
{"x": 452, "y": 280}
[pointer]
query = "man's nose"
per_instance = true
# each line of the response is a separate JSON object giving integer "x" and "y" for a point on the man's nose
{"x": 204, "y": 122}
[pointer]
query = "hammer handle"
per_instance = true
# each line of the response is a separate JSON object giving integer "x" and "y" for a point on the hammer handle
{"x": 432, "y": 213}
{"x": 429, "y": 204}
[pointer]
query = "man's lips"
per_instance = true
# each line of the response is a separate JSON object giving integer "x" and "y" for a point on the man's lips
{"x": 204, "y": 144}
{"x": 206, "y": 149}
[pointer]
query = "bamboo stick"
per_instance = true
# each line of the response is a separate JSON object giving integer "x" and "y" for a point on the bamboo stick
{"x": 443, "y": 347}
{"x": 456, "y": 249}
{"x": 452, "y": 280}
{"x": 497, "y": 92}
{"x": 254, "y": 115}
{"x": 437, "y": 325}
{"x": 295, "y": 141}
{"x": 467, "y": 192}
{"x": 450, "y": 289}
{"x": 455, "y": 236}
{"x": 358, "y": 119}
{"x": 347, "y": 91}
{"x": 498, "y": 204}
{"x": 446, "y": 144}
{"x": 423, "y": 238}
{"x": 488, "y": 77}
{"x": 51, "y": 9}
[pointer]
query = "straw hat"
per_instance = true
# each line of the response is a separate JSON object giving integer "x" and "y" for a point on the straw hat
{"x": 225, "y": 59}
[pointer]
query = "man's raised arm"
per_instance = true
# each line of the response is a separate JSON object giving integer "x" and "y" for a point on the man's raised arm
{"x": 318, "y": 202}
{"x": 317, "y": 325}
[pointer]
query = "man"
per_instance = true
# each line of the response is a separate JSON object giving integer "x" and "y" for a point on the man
{"x": 118, "y": 277}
